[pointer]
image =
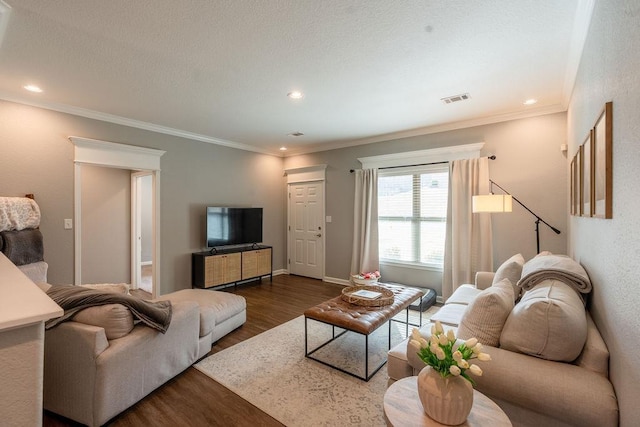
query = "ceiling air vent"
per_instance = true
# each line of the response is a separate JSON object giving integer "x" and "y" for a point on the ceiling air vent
{"x": 456, "y": 98}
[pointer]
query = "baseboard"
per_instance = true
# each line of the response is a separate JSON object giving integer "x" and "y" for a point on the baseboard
{"x": 335, "y": 280}
{"x": 279, "y": 272}
{"x": 327, "y": 279}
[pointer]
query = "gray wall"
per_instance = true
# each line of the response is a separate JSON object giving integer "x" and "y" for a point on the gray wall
{"x": 38, "y": 158}
{"x": 106, "y": 225}
{"x": 529, "y": 165}
{"x": 609, "y": 248}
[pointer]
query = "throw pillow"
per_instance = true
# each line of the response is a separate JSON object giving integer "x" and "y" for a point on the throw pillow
{"x": 116, "y": 319}
{"x": 549, "y": 322}
{"x": 486, "y": 314}
{"x": 511, "y": 269}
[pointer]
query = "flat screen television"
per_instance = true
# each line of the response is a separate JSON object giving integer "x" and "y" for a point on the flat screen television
{"x": 233, "y": 226}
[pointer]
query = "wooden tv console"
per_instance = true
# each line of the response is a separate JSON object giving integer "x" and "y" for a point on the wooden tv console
{"x": 231, "y": 265}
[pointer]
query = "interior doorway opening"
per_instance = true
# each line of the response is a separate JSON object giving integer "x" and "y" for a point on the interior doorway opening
{"x": 142, "y": 231}
{"x": 119, "y": 156}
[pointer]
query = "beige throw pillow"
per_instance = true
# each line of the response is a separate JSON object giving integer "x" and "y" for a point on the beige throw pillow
{"x": 511, "y": 269}
{"x": 486, "y": 314}
{"x": 116, "y": 319}
{"x": 549, "y": 322}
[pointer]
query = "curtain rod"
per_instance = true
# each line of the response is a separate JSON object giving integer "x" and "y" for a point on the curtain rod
{"x": 421, "y": 164}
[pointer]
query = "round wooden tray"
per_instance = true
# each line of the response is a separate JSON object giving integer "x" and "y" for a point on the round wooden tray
{"x": 385, "y": 299}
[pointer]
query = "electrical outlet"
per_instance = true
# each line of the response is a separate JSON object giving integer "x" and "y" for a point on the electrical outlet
{"x": 68, "y": 224}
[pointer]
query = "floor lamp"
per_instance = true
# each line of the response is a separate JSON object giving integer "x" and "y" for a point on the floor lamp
{"x": 503, "y": 203}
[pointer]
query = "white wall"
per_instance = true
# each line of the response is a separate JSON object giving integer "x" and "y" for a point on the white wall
{"x": 609, "y": 248}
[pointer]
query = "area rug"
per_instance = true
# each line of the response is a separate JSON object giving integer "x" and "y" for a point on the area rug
{"x": 271, "y": 372}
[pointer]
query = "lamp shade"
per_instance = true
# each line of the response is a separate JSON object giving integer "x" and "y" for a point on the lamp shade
{"x": 492, "y": 203}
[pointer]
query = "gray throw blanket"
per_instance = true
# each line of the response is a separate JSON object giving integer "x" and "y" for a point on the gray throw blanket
{"x": 73, "y": 299}
{"x": 556, "y": 267}
{"x": 22, "y": 247}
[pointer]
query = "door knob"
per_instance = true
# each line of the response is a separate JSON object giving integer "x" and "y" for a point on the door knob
{"x": 318, "y": 235}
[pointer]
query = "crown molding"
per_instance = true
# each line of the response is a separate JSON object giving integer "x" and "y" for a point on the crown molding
{"x": 138, "y": 124}
{"x": 463, "y": 124}
{"x": 90, "y": 114}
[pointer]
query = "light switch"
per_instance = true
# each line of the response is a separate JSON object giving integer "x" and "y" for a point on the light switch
{"x": 328, "y": 219}
{"x": 68, "y": 224}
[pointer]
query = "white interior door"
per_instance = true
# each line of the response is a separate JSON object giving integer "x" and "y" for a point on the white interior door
{"x": 306, "y": 229}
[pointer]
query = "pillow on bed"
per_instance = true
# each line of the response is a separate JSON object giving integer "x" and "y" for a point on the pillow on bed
{"x": 116, "y": 288}
{"x": 116, "y": 319}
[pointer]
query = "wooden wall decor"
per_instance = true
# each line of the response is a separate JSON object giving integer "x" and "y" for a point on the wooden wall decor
{"x": 574, "y": 189}
{"x": 592, "y": 170}
{"x": 587, "y": 178}
{"x": 602, "y": 163}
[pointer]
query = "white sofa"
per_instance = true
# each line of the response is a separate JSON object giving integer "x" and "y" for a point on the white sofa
{"x": 530, "y": 388}
{"x": 90, "y": 378}
{"x": 100, "y": 363}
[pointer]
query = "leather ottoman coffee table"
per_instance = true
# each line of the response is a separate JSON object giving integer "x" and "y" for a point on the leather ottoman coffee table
{"x": 361, "y": 320}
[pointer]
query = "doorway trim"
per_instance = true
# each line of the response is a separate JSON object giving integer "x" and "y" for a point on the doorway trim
{"x": 307, "y": 174}
{"x": 122, "y": 156}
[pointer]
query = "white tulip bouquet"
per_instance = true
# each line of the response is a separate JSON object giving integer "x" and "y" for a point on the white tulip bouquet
{"x": 445, "y": 356}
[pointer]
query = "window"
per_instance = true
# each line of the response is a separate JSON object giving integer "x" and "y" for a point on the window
{"x": 412, "y": 213}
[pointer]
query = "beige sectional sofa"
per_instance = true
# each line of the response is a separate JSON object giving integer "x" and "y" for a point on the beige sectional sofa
{"x": 90, "y": 378}
{"x": 549, "y": 362}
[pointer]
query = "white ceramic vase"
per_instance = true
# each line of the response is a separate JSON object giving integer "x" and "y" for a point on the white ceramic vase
{"x": 446, "y": 400}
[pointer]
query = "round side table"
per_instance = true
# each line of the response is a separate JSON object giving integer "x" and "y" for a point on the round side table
{"x": 402, "y": 407}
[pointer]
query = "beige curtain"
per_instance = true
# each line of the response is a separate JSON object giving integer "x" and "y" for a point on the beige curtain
{"x": 468, "y": 244}
{"x": 365, "y": 257}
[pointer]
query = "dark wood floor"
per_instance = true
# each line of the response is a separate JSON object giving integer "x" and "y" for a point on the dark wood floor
{"x": 192, "y": 398}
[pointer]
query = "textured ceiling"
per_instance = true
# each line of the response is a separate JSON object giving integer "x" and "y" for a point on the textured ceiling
{"x": 219, "y": 70}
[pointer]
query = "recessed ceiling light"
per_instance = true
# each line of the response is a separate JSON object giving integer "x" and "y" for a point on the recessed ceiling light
{"x": 33, "y": 88}
{"x": 283, "y": 148}
{"x": 296, "y": 94}
{"x": 295, "y": 134}
{"x": 530, "y": 101}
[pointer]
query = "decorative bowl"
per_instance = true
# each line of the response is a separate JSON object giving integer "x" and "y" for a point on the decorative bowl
{"x": 358, "y": 281}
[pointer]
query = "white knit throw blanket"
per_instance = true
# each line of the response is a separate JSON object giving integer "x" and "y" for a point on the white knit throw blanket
{"x": 18, "y": 213}
{"x": 557, "y": 267}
